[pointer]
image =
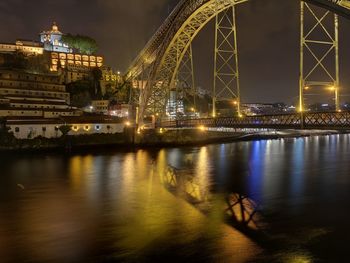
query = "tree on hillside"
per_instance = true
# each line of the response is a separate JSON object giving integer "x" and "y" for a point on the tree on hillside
{"x": 122, "y": 93}
{"x": 80, "y": 92}
{"x": 96, "y": 78}
{"x": 84, "y": 44}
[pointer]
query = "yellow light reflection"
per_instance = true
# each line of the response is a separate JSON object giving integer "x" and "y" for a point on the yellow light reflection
{"x": 76, "y": 172}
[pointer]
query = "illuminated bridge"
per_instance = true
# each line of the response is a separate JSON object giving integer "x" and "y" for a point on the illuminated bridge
{"x": 164, "y": 68}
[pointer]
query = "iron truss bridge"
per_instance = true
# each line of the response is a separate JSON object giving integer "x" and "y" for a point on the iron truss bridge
{"x": 165, "y": 63}
{"x": 316, "y": 121}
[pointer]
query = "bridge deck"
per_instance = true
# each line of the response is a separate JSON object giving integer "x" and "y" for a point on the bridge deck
{"x": 322, "y": 120}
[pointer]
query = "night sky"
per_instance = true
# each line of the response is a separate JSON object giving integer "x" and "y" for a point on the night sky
{"x": 268, "y": 37}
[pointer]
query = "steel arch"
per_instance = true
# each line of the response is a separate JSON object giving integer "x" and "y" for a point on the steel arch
{"x": 164, "y": 52}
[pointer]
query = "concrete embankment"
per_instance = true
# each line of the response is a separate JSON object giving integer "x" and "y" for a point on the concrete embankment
{"x": 147, "y": 138}
{"x": 182, "y": 137}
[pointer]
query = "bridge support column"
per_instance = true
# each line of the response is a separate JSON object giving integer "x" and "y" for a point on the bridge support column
{"x": 226, "y": 71}
{"x": 319, "y": 43}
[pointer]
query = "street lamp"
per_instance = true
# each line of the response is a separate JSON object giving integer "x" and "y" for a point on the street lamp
{"x": 201, "y": 128}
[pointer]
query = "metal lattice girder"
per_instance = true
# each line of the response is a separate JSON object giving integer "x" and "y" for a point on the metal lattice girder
{"x": 175, "y": 50}
{"x": 185, "y": 82}
{"x": 326, "y": 40}
{"x": 226, "y": 72}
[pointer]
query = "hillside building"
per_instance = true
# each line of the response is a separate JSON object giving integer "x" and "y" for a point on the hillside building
{"x": 25, "y": 94}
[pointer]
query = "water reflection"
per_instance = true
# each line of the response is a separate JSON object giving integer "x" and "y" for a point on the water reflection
{"x": 297, "y": 167}
{"x": 194, "y": 203}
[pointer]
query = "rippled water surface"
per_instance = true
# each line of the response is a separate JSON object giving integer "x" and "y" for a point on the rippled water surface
{"x": 179, "y": 204}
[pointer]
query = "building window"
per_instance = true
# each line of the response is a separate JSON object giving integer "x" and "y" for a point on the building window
{"x": 44, "y": 129}
{"x": 17, "y": 129}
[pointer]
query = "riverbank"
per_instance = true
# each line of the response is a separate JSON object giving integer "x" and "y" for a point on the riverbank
{"x": 148, "y": 138}
{"x": 201, "y": 137}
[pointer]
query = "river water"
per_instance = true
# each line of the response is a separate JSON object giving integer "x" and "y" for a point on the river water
{"x": 177, "y": 204}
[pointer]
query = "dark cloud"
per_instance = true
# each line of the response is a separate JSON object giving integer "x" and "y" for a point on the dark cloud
{"x": 268, "y": 36}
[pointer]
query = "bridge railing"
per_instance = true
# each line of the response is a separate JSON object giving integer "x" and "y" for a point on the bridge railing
{"x": 319, "y": 120}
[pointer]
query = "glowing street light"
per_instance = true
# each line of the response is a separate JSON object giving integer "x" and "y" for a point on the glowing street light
{"x": 201, "y": 128}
